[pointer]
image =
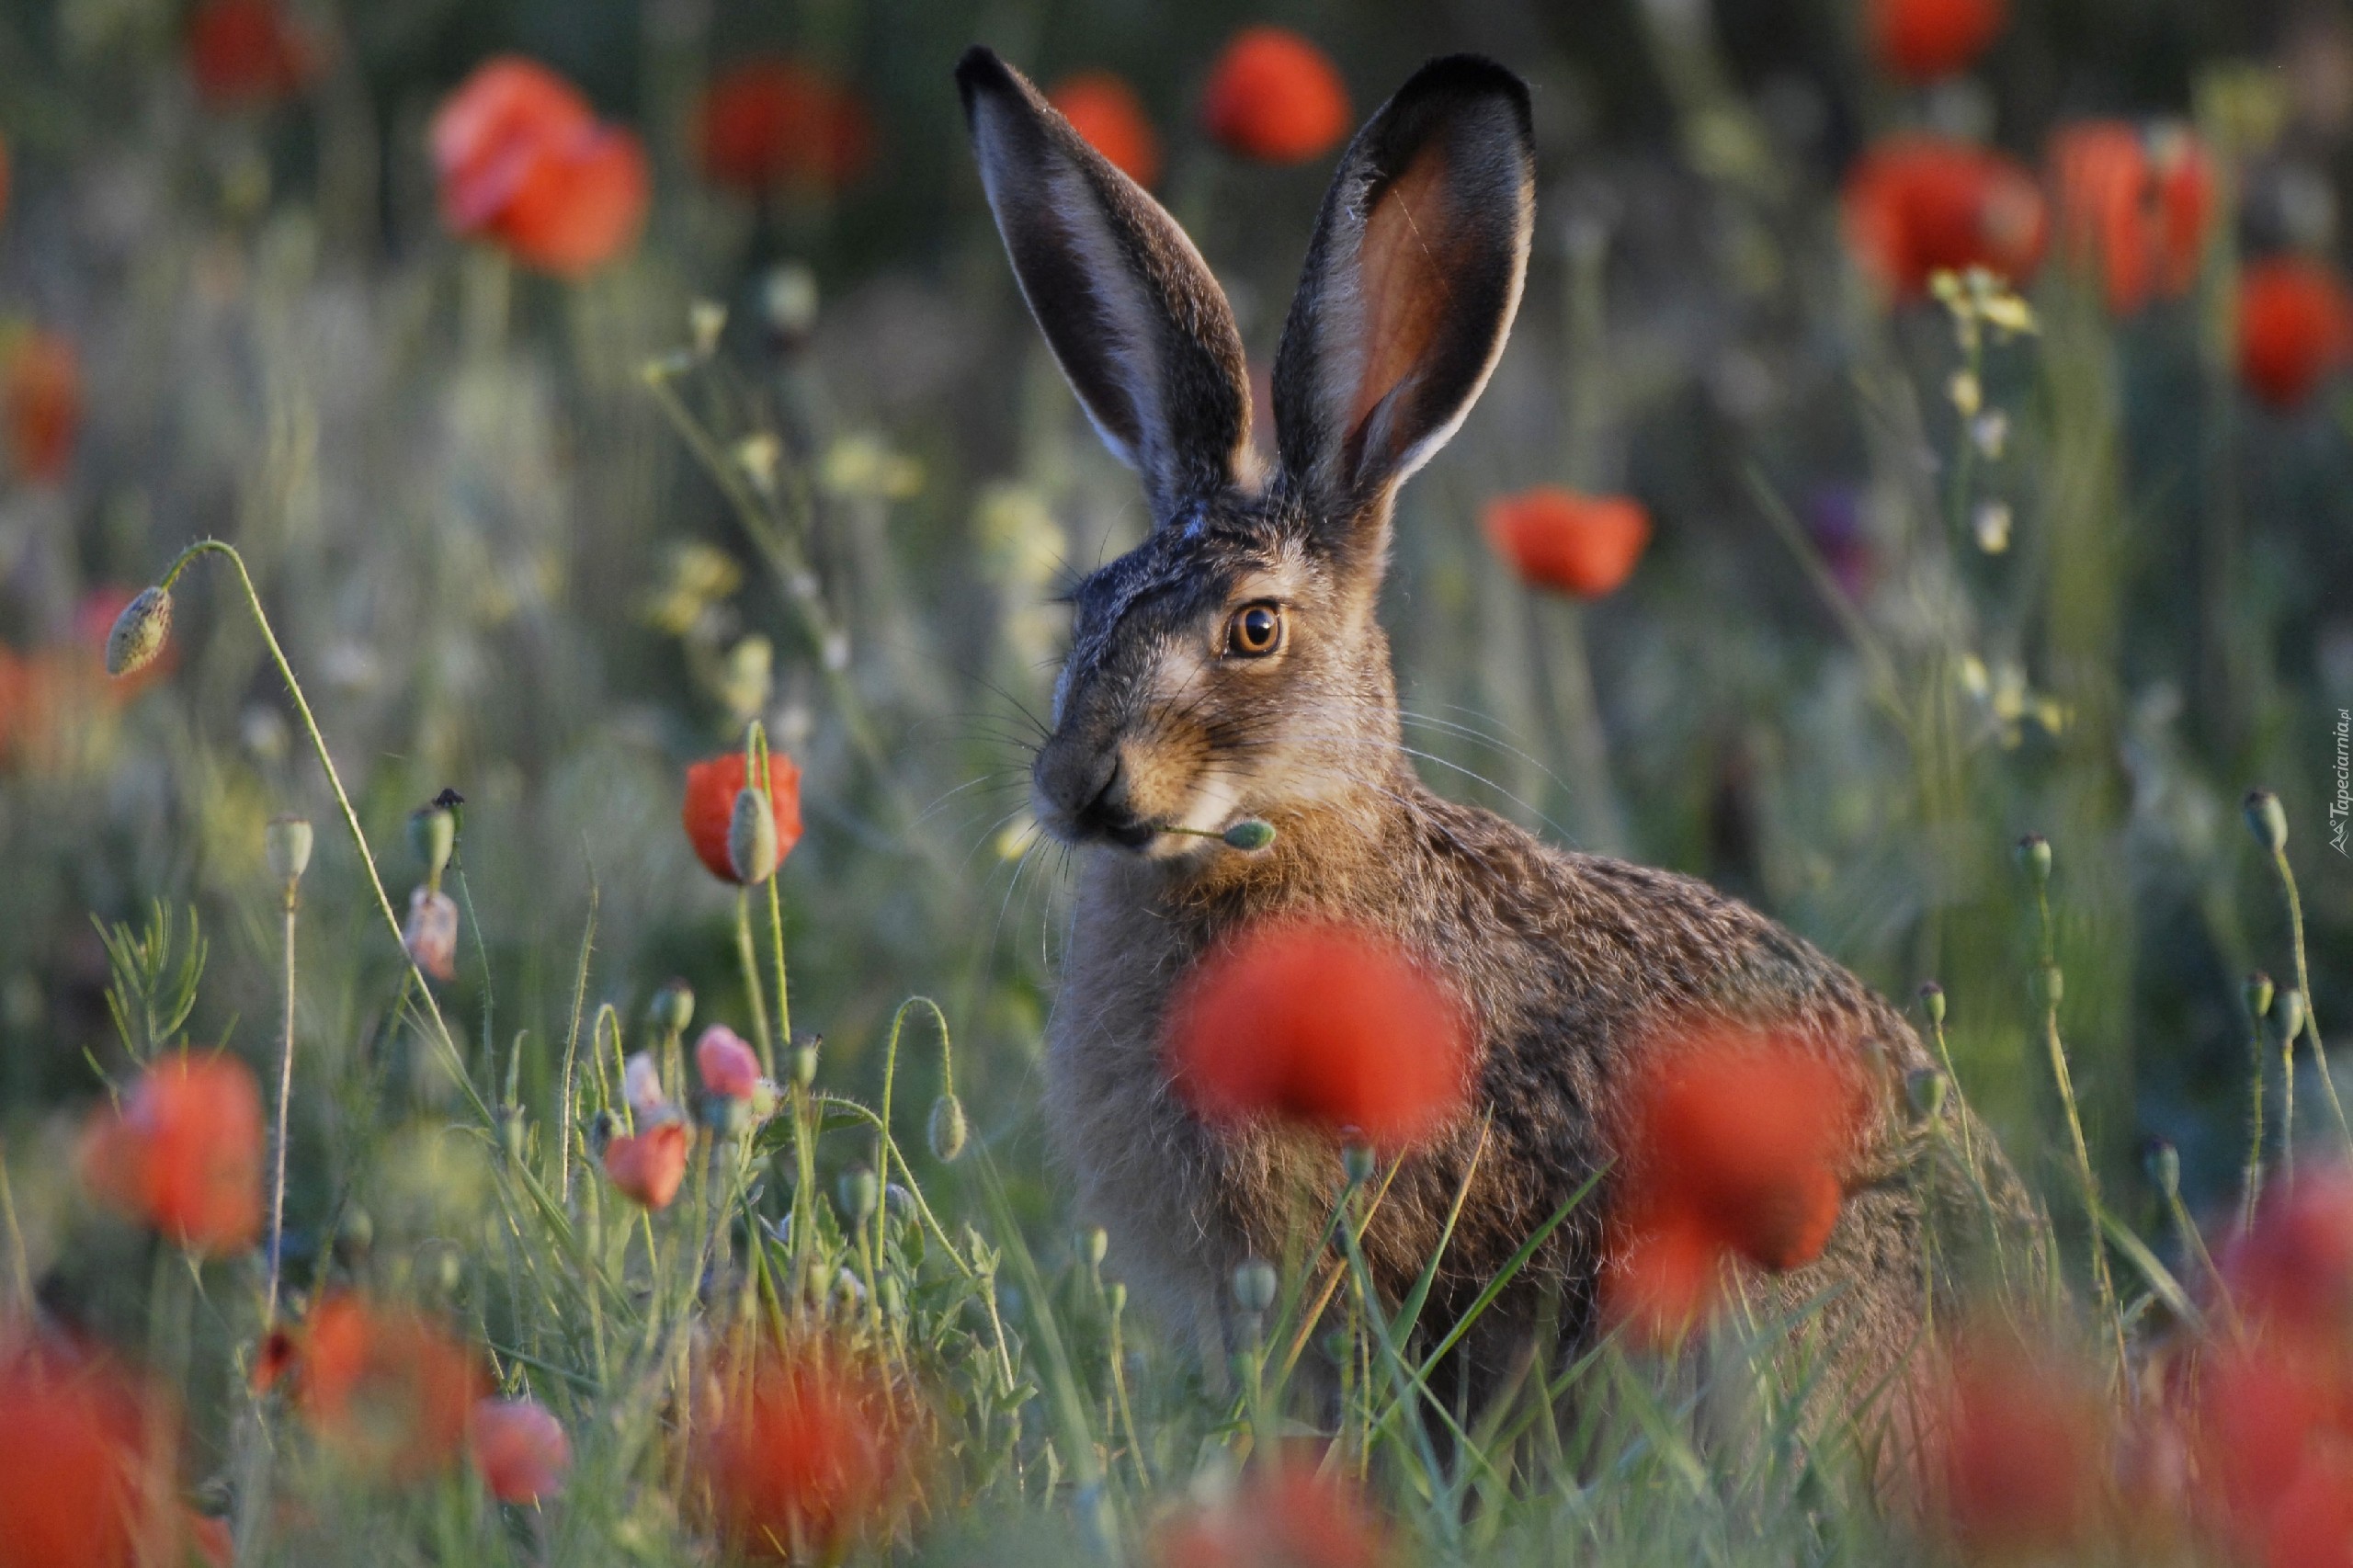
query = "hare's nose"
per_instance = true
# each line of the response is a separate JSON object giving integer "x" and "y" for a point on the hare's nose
{"x": 1107, "y": 813}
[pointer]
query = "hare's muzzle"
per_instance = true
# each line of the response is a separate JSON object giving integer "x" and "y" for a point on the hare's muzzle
{"x": 1085, "y": 797}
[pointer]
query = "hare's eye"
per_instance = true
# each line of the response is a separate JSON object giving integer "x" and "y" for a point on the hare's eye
{"x": 1254, "y": 630}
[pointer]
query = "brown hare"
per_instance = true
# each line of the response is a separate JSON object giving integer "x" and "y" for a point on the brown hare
{"x": 1230, "y": 666}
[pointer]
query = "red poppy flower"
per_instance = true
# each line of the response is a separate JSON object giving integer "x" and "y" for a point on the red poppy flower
{"x": 2262, "y": 1413}
{"x": 712, "y": 789}
{"x": 648, "y": 1167}
{"x": 1103, "y": 108}
{"x": 182, "y": 1152}
{"x": 805, "y": 1449}
{"x": 1918, "y": 205}
{"x": 1286, "y": 1515}
{"x": 1585, "y": 545}
{"x": 1274, "y": 96}
{"x": 1734, "y": 1147}
{"x": 726, "y": 1065}
{"x": 387, "y": 1391}
{"x": 520, "y": 1449}
{"x": 775, "y": 123}
{"x": 247, "y": 54}
{"x": 2020, "y": 1450}
{"x": 2132, "y": 213}
{"x": 85, "y": 1481}
{"x": 2295, "y": 328}
{"x": 523, "y": 161}
{"x": 44, "y": 402}
{"x": 1327, "y": 1026}
{"x": 1922, "y": 40}
{"x": 2293, "y": 1270}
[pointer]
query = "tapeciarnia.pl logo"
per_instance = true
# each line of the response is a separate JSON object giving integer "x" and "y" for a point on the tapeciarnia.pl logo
{"x": 2340, "y": 807}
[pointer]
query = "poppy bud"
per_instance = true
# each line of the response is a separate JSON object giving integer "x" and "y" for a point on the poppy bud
{"x": 140, "y": 633}
{"x": 804, "y": 1058}
{"x": 2049, "y": 985}
{"x": 1115, "y": 1294}
{"x": 2258, "y": 993}
{"x": 286, "y": 843}
{"x": 1253, "y": 1285}
{"x": 2288, "y": 1014}
{"x": 432, "y": 838}
{"x": 2265, "y": 819}
{"x": 1249, "y": 835}
{"x": 1095, "y": 1243}
{"x": 1932, "y": 1002}
{"x": 2162, "y": 1163}
{"x": 672, "y": 1007}
{"x": 1356, "y": 1161}
{"x": 2034, "y": 858}
{"x": 859, "y": 1193}
{"x": 751, "y": 838}
{"x": 895, "y": 1297}
{"x": 1925, "y": 1087}
{"x": 947, "y": 1128}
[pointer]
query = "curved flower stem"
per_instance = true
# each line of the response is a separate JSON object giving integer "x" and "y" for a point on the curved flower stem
{"x": 882, "y": 1142}
{"x": 2304, "y": 985}
{"x": 343, "y": 802}
{"x": 285, "y": 1098}
{"x": 747, "y": 955}
{"x": 2101, "y": 1282}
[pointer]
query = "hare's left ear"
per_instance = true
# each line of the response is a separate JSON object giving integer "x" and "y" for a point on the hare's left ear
{"x": 1410, "y": 286}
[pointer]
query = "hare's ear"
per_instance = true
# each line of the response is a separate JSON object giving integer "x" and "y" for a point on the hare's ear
{"x": 1410, "y": 285}
{"x": 1132, "y": 312}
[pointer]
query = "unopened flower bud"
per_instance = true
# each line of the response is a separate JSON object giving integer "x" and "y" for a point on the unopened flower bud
{"x": 286, "y": 843}
{"x": 139, "y": 633}
{"x": 766, "y": 1097}
{"x": 859, "y": 1193}
{"x": 1115, "y": 1295}
{"x": 1250, "y": 835}
{"x": 1925, "y": 1087}
{"x": 1932, "y": 1002}
{"x": 1095, "y": 1244}
{"x": 2258, "y": 993}
{"x": 751, "y": 838}
{"x": 1356, "y": 1161}
{"x": 804, "y": 1058}
{"x": 2050, "y": 984}
{"x": 433, "y": 838}
{"x": 2161, "y": 1162}
{"x": 2267, "y": 820}
{"x": 672, "y": 1007}
{"x": 2288, "y": 1013}
{"x": 2034, "y": 859}
{"x": 1254, "y": 1285}
{"x": 948, "y": 1130}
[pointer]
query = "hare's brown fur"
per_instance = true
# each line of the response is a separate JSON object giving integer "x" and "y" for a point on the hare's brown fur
{"x": 1571, "y": 964}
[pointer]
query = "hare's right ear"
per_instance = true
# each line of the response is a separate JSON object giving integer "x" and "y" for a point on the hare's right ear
{"x": 1411, "y": 283}
{"x": 1140, "y": 326}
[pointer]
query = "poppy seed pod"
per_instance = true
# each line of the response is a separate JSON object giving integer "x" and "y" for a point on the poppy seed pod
{"x": 672, "y": 1007}
{"x": 2258, "y": 993}
{"x": 947, "y": 1128}
{"x": 1095, "y": 1245}
{"x": 1932, "y": 1002}
{"x": 1253, "y": 1285}
{"x": 2161, "y": 1162}
{"x": 2288, "y": 1013}
{"x": 286, "y": 843}
{"x": 140, "y": 633}
{"x": 751, "y": 838}
{"x": 1249, "y": 835}
{"x": 2034, "y": 859}
{"x": 1356, "y": 1161}
{"x": 2267, "y": 820}
{"x": 433, "y": 838}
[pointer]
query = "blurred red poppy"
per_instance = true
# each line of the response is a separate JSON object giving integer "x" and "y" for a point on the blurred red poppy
{"x": 2021, "y": 1450}
{"x": 1275, "y": 96}
{"x": 431, "y": 934}
{"x": 1585, "y": 545}
{"x": 1734, "y": 1147}
{"x": 1285, "y": 1514}
{"x": 1922, "y": 40}
{"x": 523, "y": 161}
{"x": 775, "y": 122}
{"x": 86, "y": 1471}
{"x": 806, "y": 1449}
{"x": 1324, "y": 1025}
{"x": 1918, "y": 205}
{"x": 247, "y": 54}
{"x": 725, "y": 1064}
{"x": 1103, "y": 108}
{"x": 2261, "y": 1413}
{"x": 2295, "y": 328}
{"x": 389, "y": 1390}
{"x": 2132, "y": 213}
{"x": 44, "y": 402}
{"x": 520, "y": 1447}
{"x": 182, "y": 1152}
{"x": 2292, "y": 1271}
{"x": 647, "y": 1167}
{"x": 712, "y": 789}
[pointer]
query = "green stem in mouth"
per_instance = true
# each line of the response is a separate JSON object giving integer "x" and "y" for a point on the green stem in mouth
{"x": 1249, "y": 835}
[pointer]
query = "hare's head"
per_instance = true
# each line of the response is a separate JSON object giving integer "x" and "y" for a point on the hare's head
{"x": 1231, "y": 664}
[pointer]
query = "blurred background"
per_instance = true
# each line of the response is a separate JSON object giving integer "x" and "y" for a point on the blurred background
{"x": 568, "y": 425}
